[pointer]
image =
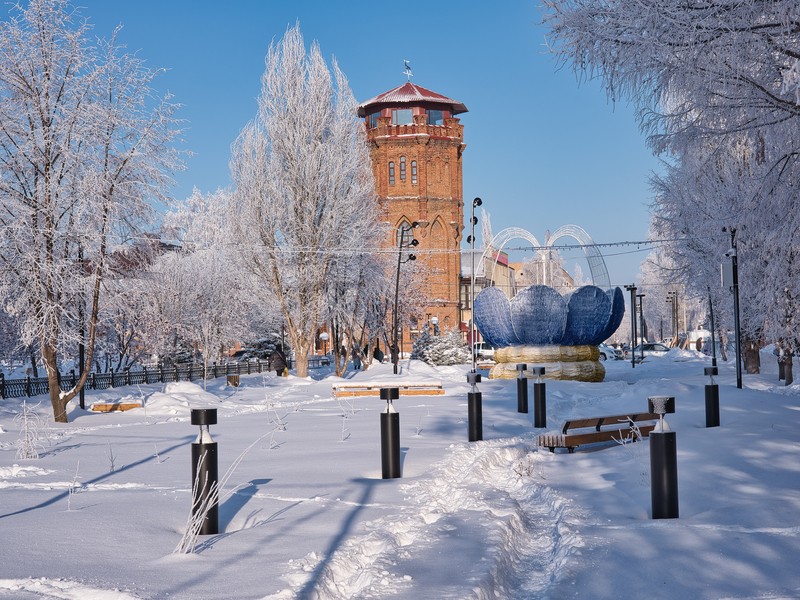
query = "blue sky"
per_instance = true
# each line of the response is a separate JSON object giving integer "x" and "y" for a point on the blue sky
{"x": 542, "y": 150}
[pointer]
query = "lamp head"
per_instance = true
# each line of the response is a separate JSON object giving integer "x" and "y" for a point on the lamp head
{"x": 477, "y": 202}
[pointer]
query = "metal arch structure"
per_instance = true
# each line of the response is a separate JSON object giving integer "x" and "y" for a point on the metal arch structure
{"x": 597, "y": 266}
{"x": 501, "y": 239}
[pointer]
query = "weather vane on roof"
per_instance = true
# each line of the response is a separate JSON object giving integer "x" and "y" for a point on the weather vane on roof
{"x": 407, "y": 72}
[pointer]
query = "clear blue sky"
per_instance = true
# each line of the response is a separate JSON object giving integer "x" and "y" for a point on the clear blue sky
{"x": 542, "y": 150}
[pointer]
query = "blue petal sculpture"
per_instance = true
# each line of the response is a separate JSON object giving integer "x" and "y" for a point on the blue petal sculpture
{"x": 542, "y": 324}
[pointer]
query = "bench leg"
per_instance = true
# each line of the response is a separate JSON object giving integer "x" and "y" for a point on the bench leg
{"x": 571, "y": 449}
{"x": 552, "y": 449}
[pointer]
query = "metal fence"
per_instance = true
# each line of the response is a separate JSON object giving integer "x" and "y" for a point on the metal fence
{"x": 34, "y": 386}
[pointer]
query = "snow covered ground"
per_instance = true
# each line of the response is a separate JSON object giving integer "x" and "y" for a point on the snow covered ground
{"x": 98, "y": 515}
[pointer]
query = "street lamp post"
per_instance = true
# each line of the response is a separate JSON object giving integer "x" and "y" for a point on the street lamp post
{"x": 641, "y": 321}
{"x": 713, "y": 339}
{"x": 435, "y": 324}
{"x": 632, "y": 289}
{"x": 672, "y": 298}
{"x": 471, "y": 240}
{"x": 324, "y": 337}
{"x": 732, "y": 254}
{"x": 401, "y": 245}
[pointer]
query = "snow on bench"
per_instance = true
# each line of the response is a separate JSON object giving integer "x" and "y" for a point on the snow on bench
{"x": 372, "y": 388}
{"x": 579, "y": 432}
{"x": 114, "y": 406}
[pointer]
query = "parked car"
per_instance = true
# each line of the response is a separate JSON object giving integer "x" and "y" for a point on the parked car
{"x": 483, "y": 350}
{"x": 650, "y": 350}
{"x": 609, "y": 353}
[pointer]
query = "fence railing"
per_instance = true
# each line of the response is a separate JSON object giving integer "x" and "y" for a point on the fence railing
{"x": 34, "y": 386}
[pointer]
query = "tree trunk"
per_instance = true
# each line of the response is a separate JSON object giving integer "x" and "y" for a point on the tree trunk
{"x": 57, "y": 401}
{"x": 336, "y": 348}
{"x": 34, "y": 368}
{"x": 723, "y": 344}
{"x": 301, "y": 352}
{"x": 787, "y": 368}
{"x": 752, "y": 358}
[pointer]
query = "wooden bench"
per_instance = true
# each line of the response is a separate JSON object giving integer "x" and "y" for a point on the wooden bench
{"x": 579, "y": 432}
{"x": 372, "y": 388}
{"x": 114, "y": 406}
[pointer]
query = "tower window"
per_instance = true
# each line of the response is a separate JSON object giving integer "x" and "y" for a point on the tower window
{"x": 391, "y": 173}
{"x": 435, "y": 117}
{"x": 402, "y": 168}
{"x": 414, "y": 172}
{"x": 402, "y": 116}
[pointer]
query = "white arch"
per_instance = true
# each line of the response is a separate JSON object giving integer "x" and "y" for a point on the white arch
{"x": 597, "y": 266}
{"x": 502, "y": 238}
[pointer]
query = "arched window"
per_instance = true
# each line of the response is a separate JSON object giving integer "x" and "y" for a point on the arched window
{"x": 414, "y": 172}
{"x": 402, "y": 168}
{"x": 405, "y": 233}
{"x": 391, "y": 173}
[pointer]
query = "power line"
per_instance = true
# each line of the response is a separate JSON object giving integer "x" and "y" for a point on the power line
{"x": 641, "y": 246}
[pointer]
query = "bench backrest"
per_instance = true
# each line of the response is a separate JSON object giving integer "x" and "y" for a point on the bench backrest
{"x": 610, "y": 420}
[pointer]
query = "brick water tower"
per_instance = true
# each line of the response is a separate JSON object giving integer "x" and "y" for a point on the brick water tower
{"x": 416, "y": 145}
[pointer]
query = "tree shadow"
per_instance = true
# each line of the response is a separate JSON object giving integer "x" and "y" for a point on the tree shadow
{"x": 64, "y": 494}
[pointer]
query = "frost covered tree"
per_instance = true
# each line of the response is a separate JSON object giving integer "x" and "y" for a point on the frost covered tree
{"x": 717, "y": 85}
{"x": 354, "y": 301}
{"x": 304, "y": 186}
{"x": 84, "y": 145}
{"x": 214, "y": 292}
{"x": 695, "y": 69}
{"x": 441, "y": 350}
{"x": 157, "y": 299}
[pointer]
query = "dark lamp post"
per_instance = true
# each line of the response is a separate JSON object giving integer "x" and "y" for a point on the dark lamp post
{"x": 401, "y": 245}
{"x": 641, "y": 321}
{"x": 713, "y": 327}
{"x": 672, "y": 298}
{"x": 324, "y": 337}
{"x": 435, "y": 324}
{"x": 734, "y": 285}
{"x": 471, "y": 241}
{"x": 632, "y": 289}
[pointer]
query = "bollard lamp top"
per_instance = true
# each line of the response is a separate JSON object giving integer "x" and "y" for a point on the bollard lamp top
{"x": 204, "y": 416}
{"x": 661, "y": 405}
{"x": 473, "y": 377}
{"x": 390, "y": 393}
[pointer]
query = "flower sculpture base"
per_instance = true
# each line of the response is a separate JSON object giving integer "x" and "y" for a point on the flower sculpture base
{"x": 577, "y": 363}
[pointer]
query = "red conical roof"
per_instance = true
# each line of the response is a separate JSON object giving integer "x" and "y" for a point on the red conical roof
{"x": 409, "y": 93}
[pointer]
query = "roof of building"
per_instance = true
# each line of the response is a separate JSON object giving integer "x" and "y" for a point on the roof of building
{"x": 410, "y": 93}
